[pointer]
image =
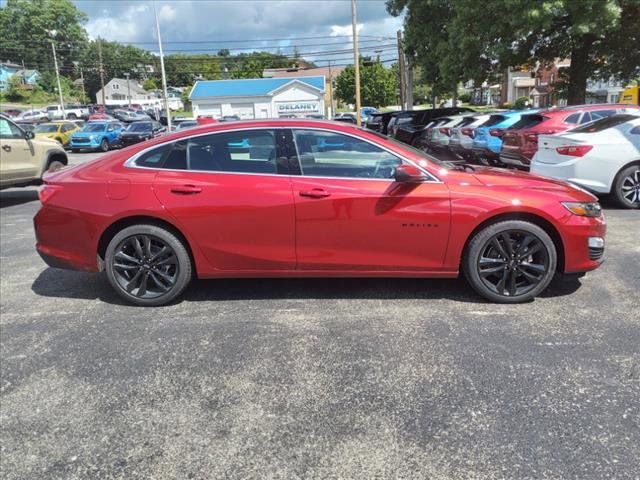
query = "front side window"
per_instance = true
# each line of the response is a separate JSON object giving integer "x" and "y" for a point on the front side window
{"x": 245, "y": 151}
{"x": 331, "y": 154}
{"x": 9, "y": 130}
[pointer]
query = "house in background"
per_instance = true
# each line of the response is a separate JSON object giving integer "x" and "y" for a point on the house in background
{"x": 118, "y": 90}
{"x": 604, "y": 91}
{"x": 8, "y": 70}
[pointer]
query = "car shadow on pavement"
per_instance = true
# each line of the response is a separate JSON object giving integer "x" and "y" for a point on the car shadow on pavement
{"x": 54, "y": 282}
{"x": 17, "y": 197}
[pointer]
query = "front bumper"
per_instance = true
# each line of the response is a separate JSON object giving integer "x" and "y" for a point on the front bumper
{"x": 581, "y": 255}
{"x": 82, "y": 143}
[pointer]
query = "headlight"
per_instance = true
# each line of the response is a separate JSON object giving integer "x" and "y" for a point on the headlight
{"x": 589, "y": 209}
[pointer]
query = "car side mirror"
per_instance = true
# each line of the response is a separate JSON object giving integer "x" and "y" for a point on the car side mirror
{"x": 29, "y": 135}
{"x": 409, "y": 174}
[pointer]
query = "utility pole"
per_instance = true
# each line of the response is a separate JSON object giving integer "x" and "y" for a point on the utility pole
{"x": 356, "y": 60}
{"x": 52, "y": 34}
{"x": 331, "y": 114}
{"x": 401, "y": 68}
{"x": 104, "y": 104}
{"x": 164, "y": 75}
{"x": 84, "y": 93}
{"x": 409, "y": 84}
{"x": 128, "y": 87}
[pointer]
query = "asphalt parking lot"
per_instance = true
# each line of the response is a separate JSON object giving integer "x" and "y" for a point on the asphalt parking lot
{"x": 318, "y": 379}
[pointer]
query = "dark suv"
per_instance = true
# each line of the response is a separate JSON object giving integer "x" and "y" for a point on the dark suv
{"x": 378, "y": 122}
{"x": 409, "y": 124}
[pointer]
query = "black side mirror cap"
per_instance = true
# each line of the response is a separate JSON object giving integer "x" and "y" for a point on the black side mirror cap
{"x": 29, "y": 135}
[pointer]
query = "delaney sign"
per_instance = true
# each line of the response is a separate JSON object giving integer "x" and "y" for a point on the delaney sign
{"x": 298, "y": 107}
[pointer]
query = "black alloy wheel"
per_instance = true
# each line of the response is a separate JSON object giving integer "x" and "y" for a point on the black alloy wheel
{"x": 511, "y": 261}
{"x": 147, "y": 265}
{"x": 627, "y": 187}
{"x": 104, "y": 145}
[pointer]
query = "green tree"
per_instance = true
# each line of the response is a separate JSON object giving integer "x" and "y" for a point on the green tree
{"x": 150, "y": 84}
{"x": 24, "y": 26}
{"x": 467, "y": 39}
{"x": 378, "y": 84}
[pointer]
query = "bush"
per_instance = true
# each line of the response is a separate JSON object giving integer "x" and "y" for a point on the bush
{"x": 465, "y": 97}
{"x": 522, "y": 103}
{"x": 506, "y": 105}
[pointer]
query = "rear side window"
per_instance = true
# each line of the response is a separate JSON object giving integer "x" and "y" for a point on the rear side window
{"x": 493, "y": 120}
{"x": 573, "y": 118}
{"x": 603, "y": 124}
{"x": 597, "y": 114}
{"x": 153, "y": 158}
{"x": 248, "y": 151}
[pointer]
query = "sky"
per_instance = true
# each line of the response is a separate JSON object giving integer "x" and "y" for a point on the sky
{"x": 313, "y": 26}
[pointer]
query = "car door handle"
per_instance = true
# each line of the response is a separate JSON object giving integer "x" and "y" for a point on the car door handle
{"x": 315, "y": 193}
{"x": 185, "y": 189}
{"x": 6, "y": 148}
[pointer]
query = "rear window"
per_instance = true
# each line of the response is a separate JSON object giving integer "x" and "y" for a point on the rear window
{"x": 493, "y": 120}
{"x": 573, "y": 118}
{"x": 603, "y": 124}
{"x": 528, "y": 121}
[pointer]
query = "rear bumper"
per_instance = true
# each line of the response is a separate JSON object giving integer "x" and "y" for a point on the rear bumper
{"x": 515, "y": 159}
{"x": 571, "y": 171}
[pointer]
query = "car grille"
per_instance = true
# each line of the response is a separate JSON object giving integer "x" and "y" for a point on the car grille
{"x": 81, "y": 140}
{"x": 596, "y": 253}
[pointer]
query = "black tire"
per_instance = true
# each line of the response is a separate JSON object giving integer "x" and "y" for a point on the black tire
{"x": 510, "y": 261}
{"x": 75, "y": 150}
{"x": 54, "y": 165}
{"x": 72, "y": 116}
{"x": 104, "y": 145}
{"x": 129, "y": 262}
{"x": 626, "y": 187}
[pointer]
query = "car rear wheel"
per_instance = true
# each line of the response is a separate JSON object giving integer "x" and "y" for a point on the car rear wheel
{"x": 510, "y": 261}
{"x": 72, "y": 116}
{"x": 104, "y": 145}
{"x": 147, "y": 265}
{"x": 626, "y": 189}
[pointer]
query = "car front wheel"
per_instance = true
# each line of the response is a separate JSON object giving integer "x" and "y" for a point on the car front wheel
{"x": 104, "y": 145}
{"x": 627, "y": 187}
{"x": 510, "y": 261}
{"x": 147, "y": 265}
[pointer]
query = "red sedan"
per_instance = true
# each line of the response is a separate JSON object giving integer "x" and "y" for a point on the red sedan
{"x": 303, "y": 198}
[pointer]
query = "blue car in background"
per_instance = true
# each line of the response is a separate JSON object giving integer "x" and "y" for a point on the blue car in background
{"x": 487, "y": 141}
{"x": 96, "y": 136}
{"x": 366, "y": 112}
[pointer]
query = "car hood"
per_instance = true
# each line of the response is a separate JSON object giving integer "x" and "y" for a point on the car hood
{"x": 519, "y": 179}
{"x": 85, "y": 134}
{"x": 46, "y": 140}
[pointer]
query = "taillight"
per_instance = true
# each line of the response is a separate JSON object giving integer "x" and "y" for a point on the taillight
{"x": 531, "y": 137}
{"x": 446, "y": 131}
{"x": 469, "y": 132}
{"x": 496, "y": 132}
{"x": 46, "y": 191}
{"x": 574, "y": 150}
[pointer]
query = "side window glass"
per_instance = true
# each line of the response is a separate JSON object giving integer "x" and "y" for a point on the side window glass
{"x": 586, "y": 118}
{"x": 635, "y": 130}
{"x": 573, "y": 118}
{"x": 153, "y": 158}
{"x": 9, "y": 130}
{"x": 248, "y": 151}
{"x": 177, "y": 158}
{"x": 328, "y": 154}
{"x": 601, "y": 114}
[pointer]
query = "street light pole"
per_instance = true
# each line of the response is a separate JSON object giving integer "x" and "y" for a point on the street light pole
{"x": 52, "y": 34}
{"x": 128, "y": 88}
{"x": 164, "y": 75}
{"x": 356, "y": 60}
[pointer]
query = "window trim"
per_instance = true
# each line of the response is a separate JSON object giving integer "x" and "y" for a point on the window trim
{"x": 131, "y": 162}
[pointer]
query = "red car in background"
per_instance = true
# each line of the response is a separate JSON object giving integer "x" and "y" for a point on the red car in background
{"x": 520, "y": 141}
{"x": 304, "y": 198}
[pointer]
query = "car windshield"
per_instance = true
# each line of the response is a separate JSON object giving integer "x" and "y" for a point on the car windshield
{"x": 413, "y": 150}
{"x": 139, "y": 127}
{"x": 603, "y": 124}
{"x": 93, "y": 127}
{"x": 46, "y": 128}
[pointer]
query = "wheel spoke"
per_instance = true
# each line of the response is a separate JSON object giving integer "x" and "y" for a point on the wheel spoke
{"x": 535, "y": 249}
{"x": 490, "y": 271}
{"x": 491, "y": 261}
{"x": 172, "y": 260}
{"x": 142, "y": 289}
{"x": 164, "y": 276}
{"x": 501, "y": 284}
{"x": 147, "y": 245}
{"x": 125, "y": 267}
{"x": 128, "y": 258}
{"x": 138, "y": 247}
{"x": 524, "y": 244}
{"x": 532, "y": 279}
{"x": 163, "y": 251}
{"x": 496, "y": 243}
{"x": 534, "y": 266}
{"x": 163, "y": 286}
{"x": 133, "y": 283}
{"x": 507, "y": 243}
{"x": 512, "y": 283}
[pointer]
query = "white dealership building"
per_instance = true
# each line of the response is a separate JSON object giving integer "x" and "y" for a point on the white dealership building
{"x": 259, "y": 97}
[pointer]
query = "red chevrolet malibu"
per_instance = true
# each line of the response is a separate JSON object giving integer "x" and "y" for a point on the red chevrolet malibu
{"x": 303, "y": 198}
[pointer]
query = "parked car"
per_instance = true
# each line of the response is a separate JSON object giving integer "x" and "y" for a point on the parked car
{"x": 58, "y": 131}
{"x": 346, "y": 117}
{"x": 99, "y": 117}
{"x": 130, "y": 116}
{"x": 11, "y": 112}
{"x": 71, "y": 112}
{"x": 408, "y": 125}
{"x": 229, "y": 118}
{"x": 487, "y": 140}
{"x": 378, "y": 122}
{"x": 461, "y": 138}
{"x": 187, "y": 124}
{"x": 27, "y": 126}
{"x": 97, "y": 136}
{"x": 194, "y": 204}
{"x": 424, "y": 140}
{"x": 315, "y": 116}
{"x": 441, "y": 135}
{"x": 32, "y": 116}
{"x": 24, "y": 157}
{"x": 137, "y": 132}
{"x": 365, "y": 112}
{"x": 601, "y": 156}
{"x": 520, "y": 141}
